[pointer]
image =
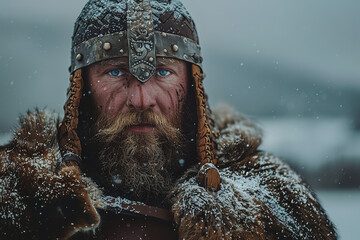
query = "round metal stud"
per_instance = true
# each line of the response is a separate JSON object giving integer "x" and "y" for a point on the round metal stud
{"x": 107, "y": 46}
{"x": 165, "y": 50}
{"x": 151, "y": 59}
{"x": 121, "y": 51}
{"x": 196, "y": 57}
{"x": 79, "y": 57}
{"x": 175, "y": 48}
{"x": 163, "y": 34}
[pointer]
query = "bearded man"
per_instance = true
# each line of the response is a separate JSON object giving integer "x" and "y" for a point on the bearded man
{"x": 139, "y": 154}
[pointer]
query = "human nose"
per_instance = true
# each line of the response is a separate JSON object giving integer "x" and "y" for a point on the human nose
{"x": 140, "y": 96}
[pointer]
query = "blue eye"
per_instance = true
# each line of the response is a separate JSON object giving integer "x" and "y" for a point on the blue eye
{"x": 163, "y": 72}
{"x": 116, "y": 73}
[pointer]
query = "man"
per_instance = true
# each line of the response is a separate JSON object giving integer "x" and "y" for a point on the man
{"x": 139, "y": 148}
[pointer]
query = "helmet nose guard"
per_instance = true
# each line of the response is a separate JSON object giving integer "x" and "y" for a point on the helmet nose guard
{"x": 141, "y": 40}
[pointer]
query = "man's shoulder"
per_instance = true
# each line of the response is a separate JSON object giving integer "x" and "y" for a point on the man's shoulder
{"x": 34, "y": 136}
{"x": 263, "y": 195}
{"x": 237, "y": 135}
{"x": 35, "y": 194}
{"x": 238, "y": 141}
{"x": 36, "y": 129}
{"x": 268, "y": 171}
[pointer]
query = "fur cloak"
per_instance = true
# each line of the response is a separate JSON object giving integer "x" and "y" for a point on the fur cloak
{"x": 260, "y": 196}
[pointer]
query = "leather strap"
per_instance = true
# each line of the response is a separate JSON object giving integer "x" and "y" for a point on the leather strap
{"x": 135, "y": 208}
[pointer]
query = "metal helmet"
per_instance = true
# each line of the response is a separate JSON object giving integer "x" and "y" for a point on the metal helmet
{"x": 138, "y": 29}
{"x": 141, "y": 30}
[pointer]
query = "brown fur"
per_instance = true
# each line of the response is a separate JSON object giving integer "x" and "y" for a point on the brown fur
{"x": 40, "y": 202}
{"x": 239, "y": 210}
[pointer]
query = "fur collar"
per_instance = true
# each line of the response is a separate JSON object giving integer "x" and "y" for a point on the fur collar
{"x": 238, "y": 135}
{"x": 260, "y": 196}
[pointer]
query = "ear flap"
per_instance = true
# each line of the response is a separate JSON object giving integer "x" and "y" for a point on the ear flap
{"x": 209, "y": 176}
{"x": 69, "y": 142}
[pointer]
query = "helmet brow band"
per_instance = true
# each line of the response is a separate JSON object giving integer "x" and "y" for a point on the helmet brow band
{"x": 116, "y": 45}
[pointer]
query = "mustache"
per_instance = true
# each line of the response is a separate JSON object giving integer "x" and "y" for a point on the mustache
{"x": 108, "y": 128}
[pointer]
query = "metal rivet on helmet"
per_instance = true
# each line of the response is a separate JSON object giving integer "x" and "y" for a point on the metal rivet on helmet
{"x": 107, "y": 46}
{"x": 175, "y": 48}
{"x": 79, "y": 57}
{"x": 197, "y": 58}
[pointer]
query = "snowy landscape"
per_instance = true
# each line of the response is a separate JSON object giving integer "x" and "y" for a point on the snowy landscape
{"x": 344, "y": 210}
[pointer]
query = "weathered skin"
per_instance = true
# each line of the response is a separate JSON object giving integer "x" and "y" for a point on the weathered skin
{"x": 119, "y": 94}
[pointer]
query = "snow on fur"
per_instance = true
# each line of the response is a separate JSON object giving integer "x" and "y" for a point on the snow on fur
{"x": 260, "y": 196}
{"x": 32, "y": 191}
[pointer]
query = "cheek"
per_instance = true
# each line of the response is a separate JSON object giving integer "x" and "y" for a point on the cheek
{"x": 181, "y": 92}
{"x": 180, "y": 96}
{"x": 108, "y": 97}
{"x": 98, "y": 92}
{"x": 172, "y": 98}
